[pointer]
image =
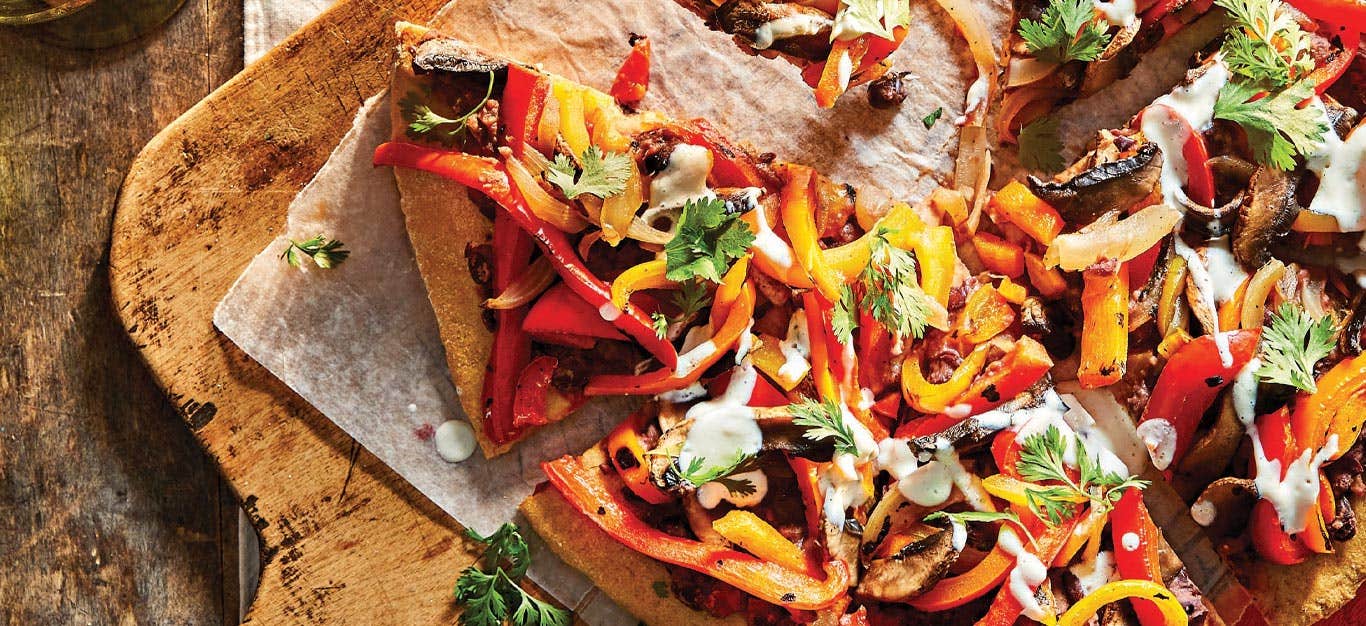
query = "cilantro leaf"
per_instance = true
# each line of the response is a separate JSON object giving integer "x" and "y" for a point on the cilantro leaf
{"x": 738, "y": 486}
{"x": 1040, "y": 147}
{"x": 489, "y": 589}
{"x": 933, "y": 117}
{"x": 660, "y": 323}
{"x": 708, "y": 240}
{"x": 425, "y": 123}
{"x": 1067, "y": 31}
{"x": 824, "y": 420}
{"x": 691, "y": 297}
{"x": 1042, "y": 459}
{"x": 875, "y": 17}
{"x": 325, "y": 253}
{"x": 891, "y": 291}
{"x": 844, "y": 320}
{"x": 1291, "y": 344}
{"x": 1277, "y": 129}
{"x": 1265, "y": 44}
{"x": 603, "y": 175}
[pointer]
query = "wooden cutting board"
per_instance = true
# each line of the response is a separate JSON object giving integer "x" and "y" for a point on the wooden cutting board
{"x": 344, "y": 538}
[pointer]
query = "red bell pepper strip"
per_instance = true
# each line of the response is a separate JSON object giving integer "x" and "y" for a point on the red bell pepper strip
{"x": 1350, "y": 14}
{"x": 1325, "y": 75}
{"x": 1002, "y": 380}
{"x": 731, "y": 165}
{"x": 1006, "y": 608}
{"x": 1271, "y": 542}
{"x": 634, "y": 76}
{"x": 808, "y": 474}
{"x": 560, "y": 311}
{"x": 587, "y": 489}
{"x": 667, "y": 379}
{"x": 627, "y": 453}
{"x": 488, "y": 177}
{"x": 521, "y": 104}
{"x": 1199, "y": 176}
{"x": 1277, "y": 436}
{"x": 533, "y": 390}
{"x": 1141, "y": 563}
{"x": 511, "y": 346}
{"x": 1187, "y": 387}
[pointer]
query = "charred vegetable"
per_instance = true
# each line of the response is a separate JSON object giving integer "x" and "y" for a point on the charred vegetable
{"x": 1112, "y": 186}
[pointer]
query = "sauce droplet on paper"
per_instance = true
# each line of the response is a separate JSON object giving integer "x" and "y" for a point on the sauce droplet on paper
{"x": 454, "y": 441}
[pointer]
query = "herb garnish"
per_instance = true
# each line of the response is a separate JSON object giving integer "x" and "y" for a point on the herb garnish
{"x": 1067, "y": 31}
{"x": 603, "y": 175}
{"x": 1040, "y": 147}
{"x": 973, "y": 516}
{"x": 824, "y": 420}
{"x": 1292, "y": 342}
{"x": 1277, "y": 129}
{"x": 697, "y": 475}
{"x": 660, "y": 323}
{"x": 489, "y": 589}
{"x": 1041, "y": 459}
{"x": 933, "y": 117}
{"x": 425, "y": 123}
{"x": 691, "y": 297}
{"x": 875, "y": 17}
{"x": 891, "y": 292}
{"x": 325, "y": 253}
{"x": 844, "y": 318}
{"x": 1265, "y": 45}
{"x": 709, "y": 239}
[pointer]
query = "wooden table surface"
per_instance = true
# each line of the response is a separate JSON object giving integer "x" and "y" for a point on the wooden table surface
{"x": 109, "y": 510}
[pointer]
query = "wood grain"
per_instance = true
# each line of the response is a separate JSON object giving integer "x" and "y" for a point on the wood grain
{"x": 109, "y": 510}
{"x": 345, "y": 540}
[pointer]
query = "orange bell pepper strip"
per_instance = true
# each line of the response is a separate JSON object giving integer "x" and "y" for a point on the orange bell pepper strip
{"x": 1016, "y": 204}
{"x": 1334, "y": 409}
{"x": 1006, "y": 609}
{"x": 839, "y": 67}
{"x": 761, "y": 539}
{"x": 522, "y": 104}
{"x": 627, "y": 453}
{"x": 633, "y": 78}
{"x": 1086, "y": 533}
{"x": 986, "y": 314}
{"x": 647, "y": 275}
{"x": 1231, "y": 313}
{"x": 1049, "y": 282}
{"x": 808, "y": 474}
{"x": 1104, "y": 327}
{"x": 800, "y": 219}
{"x": 992, "y": 570}
{"x": 588, "y": 490}
{"x": 669, "y": 379}
{"x": 928, "y": 397}
{"x": 998, "y": 255}
{"x": 775, "y": 258}
{"x": 1142, "y": 561}
{"x": 821, "y": 373}
{"x": 1002, "y": 380}
{"x": 1276, "y": 435}
{"x": 732, "y": 284}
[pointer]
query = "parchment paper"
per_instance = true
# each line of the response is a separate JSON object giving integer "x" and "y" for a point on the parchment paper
{"x": 369, "y": 320}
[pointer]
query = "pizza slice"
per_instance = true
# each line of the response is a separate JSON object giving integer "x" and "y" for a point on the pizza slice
{"x": 849, "y": 412}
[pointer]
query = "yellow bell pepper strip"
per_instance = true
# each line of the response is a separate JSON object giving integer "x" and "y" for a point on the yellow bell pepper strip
{"x": 588, "y": 490}
{"x": 800, "y": 219}
{"x": 669, "y": 379}
{"x": 731, "y": 286}
{"x": 938, "y": 257}
{"x": 1167, "y": 607}
{"x": 821, "y": 373}
{"x": 488, "y": 177}
{"x": 761, "y": 539}
{"x": 1049, "y": 282}
{"x": 928, "y": 397}
{"x": 573, "y": 122}
{"x": 769, "y": 358}
{"x": 985, "y": 315}
{"x": 1104, "y": 327}
{"x": 1016, "y": 204}
{"x": 620, "y": 210}
{"x": 1191, "y": 380}
{"x": 778, "y": 264}
{"x": 1173, "y": 285}
{"x": 1137, "y": 561}
{"x": 1015, "y": 491}
{"x": 1259, "y": 287}
{"x": 634, "y": 76}
{"x": 998, "y": 255}
{"x": 1173, "y": 342}
{"x": 951, "y": 204}
{"x": 647, "y": 275}
{"x": 627, "y": 453}
{"x": 1013, "y": 292}
{"x": 1002, "y": 380}
{"x": 1334, "y": 408}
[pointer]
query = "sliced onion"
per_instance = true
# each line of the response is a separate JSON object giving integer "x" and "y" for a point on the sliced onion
{"x": 1027, "y": 71}
{"x": 586, "y": 243}
{"x": 536, "y": 279}
{"x": 973, "y": 167}
{"x": 544, "y": 205}
{"x": 972, "y": 170}
{"x": 1021, "y": 106}
{"x": 619, "y": 211}
{"x": 1119, "y": 240}
{"x": 1258, "y": 288}
{"x": 640, "y": 231}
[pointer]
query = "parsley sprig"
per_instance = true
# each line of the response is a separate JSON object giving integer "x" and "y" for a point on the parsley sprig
{"x": 692, "y": 296}
{"x": 490, "y": 589}
{"x": 698, "y": 473}
{"x": 425, "y": 123}
{"x": 1265, "y": 45}
{"x": 1277, "y": 129}
{"x": 963, "y": 517}
{"x": 603, "y": 174}
{"x": 325, "y": 253}
{"x": 1292, "y": 343}
{"x": 1067, "y": 31}
{"x": 1042, "y": 460}
{"x": 824, "y": 420}
{"x": 891, "y": 292}
{"x": 708, "y": 241}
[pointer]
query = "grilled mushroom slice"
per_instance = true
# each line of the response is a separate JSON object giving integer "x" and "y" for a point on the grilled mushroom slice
{"x": 910, "y": 570}
{"x": 449, "y": 55}
{"x": 809, "y": 29}
{"x": 1225, "y": 505}
{"x": 1112, "y": 186}
{"x": 1266, "y": 217}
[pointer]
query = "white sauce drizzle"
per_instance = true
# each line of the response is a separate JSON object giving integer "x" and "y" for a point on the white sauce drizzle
{"x": 796, "y": 348}
{"x": 959, "y": 539}
{"x": 770, "y": 244}
{"x": 1199, "y": 273}
{"x": 1029, "y": 572}
{"x": 846, "y": 69}
{"x": 454, "y": 441}
{"x": 684, "y": 177}
{"x": 1341, "y": 179}
{"x": 711, "y": 494}
{"x": 686, "y": 394}
{"x": 789, "y": 26}
{"x": 1129, "y": 542}
{"x": 1224, "y": 271}
{"x": 1118, "y": 12}
{"x": 1093, "y": 575}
